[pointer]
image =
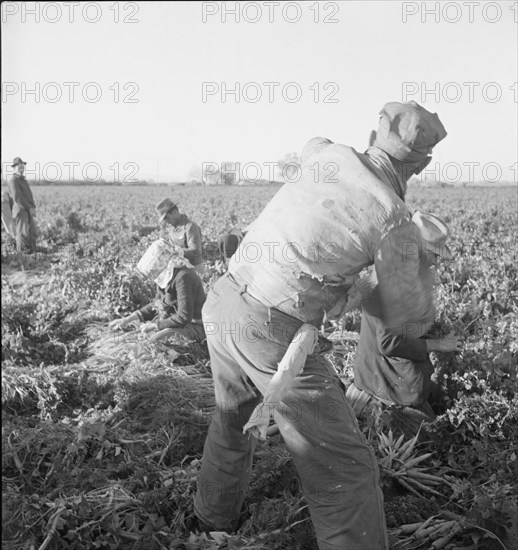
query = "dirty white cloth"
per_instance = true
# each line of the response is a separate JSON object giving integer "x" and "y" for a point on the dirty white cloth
{"x": 160, "y": 260}
{"x": 290, "y": 366}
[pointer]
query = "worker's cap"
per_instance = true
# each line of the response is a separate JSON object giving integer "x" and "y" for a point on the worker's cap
{"x": 160, "y": 260}
{"x": 17, "y": 161}
{"x": 434, "y": 233}
{"x": 163, "y": 207}
{"x": 408, "y": 132}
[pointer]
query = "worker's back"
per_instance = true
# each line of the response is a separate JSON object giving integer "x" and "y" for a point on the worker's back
{"x": 303, "y": 251}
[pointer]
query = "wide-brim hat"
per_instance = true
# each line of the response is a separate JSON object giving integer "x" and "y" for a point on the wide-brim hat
{"x": 434, "y": 234}
{"x": 160, "y": 260}
{"x": 163, "y": 207}
{"x": 408, "y": 132}
{"x": 17, "y": 161}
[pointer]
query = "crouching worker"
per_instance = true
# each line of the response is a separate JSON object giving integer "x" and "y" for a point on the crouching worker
{"x": 228, "y": 245}
{"x": 395, "y": 369}
{"x": 176, "y": 309}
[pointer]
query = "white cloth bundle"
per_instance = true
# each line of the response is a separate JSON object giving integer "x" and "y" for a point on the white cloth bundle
{"x": 290, "y": 366}
{"x": 160, "y": 260}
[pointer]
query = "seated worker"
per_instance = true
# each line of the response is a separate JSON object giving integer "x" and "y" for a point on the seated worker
{"x": 396, "y": 369}
{"x": 176, "y": 310}
{"x": 182, "y": 232}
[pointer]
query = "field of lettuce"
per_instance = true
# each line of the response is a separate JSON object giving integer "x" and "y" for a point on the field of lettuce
{"x": 102, "y": 433}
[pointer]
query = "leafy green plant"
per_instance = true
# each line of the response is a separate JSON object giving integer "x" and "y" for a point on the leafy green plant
{"x": 103, "y": 450}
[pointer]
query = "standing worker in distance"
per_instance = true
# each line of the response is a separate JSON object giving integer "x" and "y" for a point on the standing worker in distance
{"x": 24, "y": 208}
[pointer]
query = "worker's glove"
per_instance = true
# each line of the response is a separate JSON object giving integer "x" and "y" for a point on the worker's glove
{"x": 119, "y": 324}
{"x": 32, "y": 212}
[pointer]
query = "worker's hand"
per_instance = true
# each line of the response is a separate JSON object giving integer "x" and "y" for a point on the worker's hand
{"x": 119, "y": 324}
{"x": 148, "y": 327}
{"x": 450, "y": 342}
{"x": 276, "y": 391}
{"x": 32, "y": 212}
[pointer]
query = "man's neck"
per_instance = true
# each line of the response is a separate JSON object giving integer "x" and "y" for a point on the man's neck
{"x": 182, "y": 220}
{"x": 404, "y": 170}
{"x": 392, "y": 174}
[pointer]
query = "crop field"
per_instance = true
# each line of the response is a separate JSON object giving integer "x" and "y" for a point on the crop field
{"x": 102, "y": 433}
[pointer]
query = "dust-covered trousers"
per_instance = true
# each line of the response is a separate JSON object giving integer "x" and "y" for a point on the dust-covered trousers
{"x": 25, "y": 226}
{"x": 336, "y": 466}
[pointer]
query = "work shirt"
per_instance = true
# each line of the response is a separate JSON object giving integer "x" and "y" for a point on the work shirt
{"x": 179, "y": 304}
{"x": 393, "y": 368}
{"x": 187, "y": 235}
{"x": 20, "y": 193}
{"x": 305, "y": 250}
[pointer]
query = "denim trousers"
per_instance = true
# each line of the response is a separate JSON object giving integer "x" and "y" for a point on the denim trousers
{"x": 337, "y": 468}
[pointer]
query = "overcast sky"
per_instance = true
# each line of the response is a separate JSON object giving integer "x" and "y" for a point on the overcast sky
{"x": 144, "y": 89}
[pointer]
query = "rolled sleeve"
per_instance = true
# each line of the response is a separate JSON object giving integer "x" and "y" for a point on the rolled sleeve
{"x": 147, "y": 313}
{"x": 394, "y": 345}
